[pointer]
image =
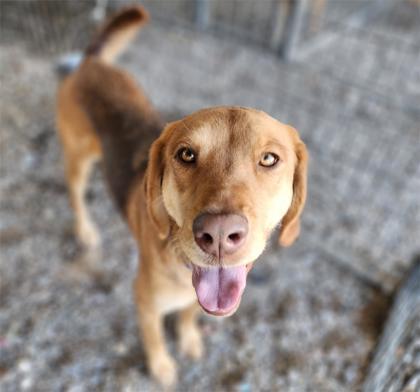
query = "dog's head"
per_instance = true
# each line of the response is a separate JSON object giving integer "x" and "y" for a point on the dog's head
{"x": 218, "y": 182}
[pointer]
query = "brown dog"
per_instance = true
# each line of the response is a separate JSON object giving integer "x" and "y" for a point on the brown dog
{"x": 201, "y": 200}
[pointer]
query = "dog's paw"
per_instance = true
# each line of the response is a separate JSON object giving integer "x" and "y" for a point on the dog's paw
{"x": 163, "y": 369}
{"x": 191, "y": 343}
{"x": 88, "y": 236}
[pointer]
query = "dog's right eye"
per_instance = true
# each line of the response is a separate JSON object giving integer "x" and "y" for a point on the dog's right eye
{"x": 186, "y": 155}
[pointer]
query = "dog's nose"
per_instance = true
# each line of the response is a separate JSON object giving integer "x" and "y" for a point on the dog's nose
{"x": 220, "y": 234}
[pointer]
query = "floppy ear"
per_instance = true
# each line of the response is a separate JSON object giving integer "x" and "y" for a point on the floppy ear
{"x": 290, "y": 224}
{"x": 154, "y": 177}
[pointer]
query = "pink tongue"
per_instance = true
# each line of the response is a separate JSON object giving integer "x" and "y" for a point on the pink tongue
{"x": 219, "y": 289}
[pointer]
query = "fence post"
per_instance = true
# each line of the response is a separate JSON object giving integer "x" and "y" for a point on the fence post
{"x": 396, "y": 359}
{"x": 280, "y": 12}
{"x": 293, "y": 28}
{"x": 202, "y": 14}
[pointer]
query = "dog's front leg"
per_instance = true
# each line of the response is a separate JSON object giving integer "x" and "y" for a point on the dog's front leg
{"x": 189, "y": 334}
{"x": 160, "y": 364}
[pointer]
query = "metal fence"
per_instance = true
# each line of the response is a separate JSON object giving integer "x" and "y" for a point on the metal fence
{"x": 288, "y": 27}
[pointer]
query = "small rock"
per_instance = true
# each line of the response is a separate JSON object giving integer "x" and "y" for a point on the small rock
{"x": 25, "y": 366}
{"x": 26, "y": 383}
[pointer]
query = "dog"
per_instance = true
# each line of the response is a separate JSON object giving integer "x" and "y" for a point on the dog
{"x": 201, "y": 195}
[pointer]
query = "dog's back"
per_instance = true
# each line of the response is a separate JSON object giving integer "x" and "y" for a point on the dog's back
{"x": 102, "y": 112}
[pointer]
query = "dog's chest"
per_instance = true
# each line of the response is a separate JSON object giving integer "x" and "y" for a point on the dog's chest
{"x": 172, "y": 301}
{"x": 176, "y": 290}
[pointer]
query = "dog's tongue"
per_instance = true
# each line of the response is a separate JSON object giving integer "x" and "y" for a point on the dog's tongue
{"x": 218, "y": 289}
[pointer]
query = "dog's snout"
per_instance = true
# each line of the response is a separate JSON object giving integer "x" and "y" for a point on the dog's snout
{"x": 220, "y": 234}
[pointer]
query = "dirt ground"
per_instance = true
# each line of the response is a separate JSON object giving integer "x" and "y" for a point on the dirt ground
{"x": 311, "y": 314}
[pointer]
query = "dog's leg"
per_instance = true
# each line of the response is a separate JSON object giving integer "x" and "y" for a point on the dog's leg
{"x": 161, "y": 365}
{"x": 78, "y": 169}
{"x": 189, "y": 334}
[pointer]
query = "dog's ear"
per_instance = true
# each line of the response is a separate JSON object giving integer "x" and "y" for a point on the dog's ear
{"x": 290, "y": 224}
{"x": 154, "y": 177}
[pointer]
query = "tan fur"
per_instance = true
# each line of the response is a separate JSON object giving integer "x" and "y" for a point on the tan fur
{"x": 112, "y": 38}
{"x": 102, "y": 113}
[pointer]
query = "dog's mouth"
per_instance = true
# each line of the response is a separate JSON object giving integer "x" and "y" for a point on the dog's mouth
{"x": 219, "y": 289}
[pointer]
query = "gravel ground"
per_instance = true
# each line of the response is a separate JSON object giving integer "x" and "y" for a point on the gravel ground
{"x": 311, "y": 314}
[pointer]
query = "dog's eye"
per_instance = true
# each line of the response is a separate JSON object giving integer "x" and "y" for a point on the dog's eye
{"x": 269, "y": 159}
{"x": 186, "y": 155}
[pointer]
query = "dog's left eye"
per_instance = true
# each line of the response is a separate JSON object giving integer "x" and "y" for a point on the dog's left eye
{"x": 269, "y": 159}
{"x": 186, "y": 155}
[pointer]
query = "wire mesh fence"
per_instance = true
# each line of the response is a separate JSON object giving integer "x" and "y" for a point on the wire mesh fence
{"x": 47, "y": 27}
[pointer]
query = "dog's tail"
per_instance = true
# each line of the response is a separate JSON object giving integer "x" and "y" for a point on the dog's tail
{"x": 108, "y": 42}
{"x": 116, "y": 33}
